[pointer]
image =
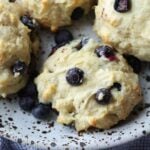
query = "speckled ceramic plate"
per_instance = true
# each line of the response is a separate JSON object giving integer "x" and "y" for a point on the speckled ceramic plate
{"x": 21, "y": 126}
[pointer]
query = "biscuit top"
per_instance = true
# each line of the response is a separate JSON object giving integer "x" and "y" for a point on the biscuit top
{"x": 89, "y": 84}
{"x": 54, "y": 13}
{"x": 128, "y": 31}
{"x": 15, "y": 48}
{"x": 14, "y": 39}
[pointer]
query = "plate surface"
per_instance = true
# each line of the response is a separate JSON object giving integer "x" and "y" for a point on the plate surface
{"x": 22, "y": 127}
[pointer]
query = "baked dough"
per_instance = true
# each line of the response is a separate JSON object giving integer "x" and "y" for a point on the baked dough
{"x": 55, "y": 13}
{"x": 15, "y": 49}
{"x": 77, "y": 103}
{"x": 129, "y": 31}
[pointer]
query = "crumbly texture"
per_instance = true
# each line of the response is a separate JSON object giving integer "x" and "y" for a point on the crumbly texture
{"x": 77, "y": 104}
{"x": 54, "y": 13}
{"x": 14, "y": 45}
{"x": 129, "y": 32}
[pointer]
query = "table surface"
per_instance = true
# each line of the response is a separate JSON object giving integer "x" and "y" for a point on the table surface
{"x": 140, "y": 144}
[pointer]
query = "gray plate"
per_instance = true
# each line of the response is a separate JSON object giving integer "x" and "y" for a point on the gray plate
{"x": 21, "y": 126}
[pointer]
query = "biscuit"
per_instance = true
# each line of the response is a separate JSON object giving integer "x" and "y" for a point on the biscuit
{"x": 89, "y": 84}
{"x": 56, "y": 13}
{"x": 125, "y": 25}
{"x": 15, "y": 49}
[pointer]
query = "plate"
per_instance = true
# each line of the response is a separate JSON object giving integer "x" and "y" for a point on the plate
{"x": 22, "y": 127}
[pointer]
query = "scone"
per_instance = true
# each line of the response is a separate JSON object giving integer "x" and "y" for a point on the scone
{"x": 125, "y": 24}
{"x": 56, "y": 13}
{"x": 90, "y": 85}
{"x": 15, "y": 49}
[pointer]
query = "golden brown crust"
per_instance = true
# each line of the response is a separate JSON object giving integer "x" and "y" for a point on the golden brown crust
{"x": 54, "y": 13}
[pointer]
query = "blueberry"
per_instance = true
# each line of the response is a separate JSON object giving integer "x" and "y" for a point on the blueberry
{"x": 29, "y": 90}
{"x": 63, "y": 36}
{"x": 103, "y": 96}
{"x": 75, "y": 76}
{"x": 19, "y": 67}
{"x": 106, "y": 51}
{"x": 83, "y": 42}
{"x": 134, "y": 62}
{"x": 122, "y": 5}
{"x": 117, "y": 86}
{"x": 77, "y": 13}
{"x": 26, "y": 103}
{"x": 29, "y": 22}
{"x": 34, "y": 73}
{"x": 41, "y": 111}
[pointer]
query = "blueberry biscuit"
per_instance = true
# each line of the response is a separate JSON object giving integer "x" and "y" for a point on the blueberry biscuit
{"x": 56, "y": 13}
{"x": 15, "y": 49}
{"x": 125, "y": 24}
{"x": 90, "y": 85}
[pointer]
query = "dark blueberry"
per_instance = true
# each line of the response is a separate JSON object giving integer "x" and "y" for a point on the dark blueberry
{"x": 75, "y": 76}
{"x": 27, "y": 103}
{"x": 103, "y": 96}
{"x": 106, "y": 51}
{"x": 33, "y": 73}
{"x": 83, "y": 42}
{"x": 134, "y": 62}
{"x": 19, "y": 67}
{"x": 29, "y": 22}
{"x": 77, "y": 13}
{"x": 63, "y": 36}
{"x": 117, "y": 86}
{"x": 122, "y": 5}
{"x": 41, "y": 111}
{"x": 29, "y": 90}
